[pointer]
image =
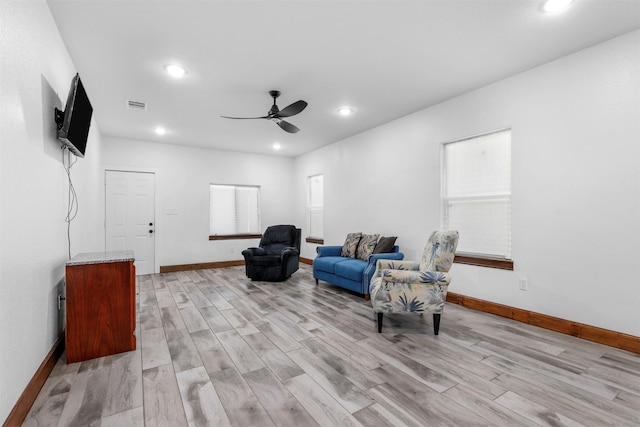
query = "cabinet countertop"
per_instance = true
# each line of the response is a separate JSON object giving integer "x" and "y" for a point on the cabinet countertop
{"x": 101, "y": 257}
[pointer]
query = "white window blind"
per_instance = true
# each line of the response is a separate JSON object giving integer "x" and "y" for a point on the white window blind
{"x": 234, "y": 210}
{"x": 315, "y": 205}
{"x": 476, "y": 193}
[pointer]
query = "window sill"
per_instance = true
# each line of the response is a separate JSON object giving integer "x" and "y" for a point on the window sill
{"x": 500, "y": 263}
{"x": 236, "y": 237}
{"x": 314, "y": 240}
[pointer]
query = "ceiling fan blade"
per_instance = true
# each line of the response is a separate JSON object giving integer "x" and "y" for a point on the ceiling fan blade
{"x": 291, "y": 110}
{"x": 245, "y": 118}
{"x": 287, "y": 127}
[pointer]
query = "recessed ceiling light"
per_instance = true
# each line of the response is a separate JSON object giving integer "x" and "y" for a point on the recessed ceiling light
{"x": 555, "y": 6}
{"x": 345, "y": 111}
{"x": 160, "y": 130}
{"x": 276, "y": 146}
{"x": 175, "y": 71}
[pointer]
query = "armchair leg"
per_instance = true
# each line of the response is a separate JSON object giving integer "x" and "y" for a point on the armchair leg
{"x": 379, "y": 322}
{"x": 367, "y": 297}
{"x": 316, "y": 282}
{"x": 436, "y": 323}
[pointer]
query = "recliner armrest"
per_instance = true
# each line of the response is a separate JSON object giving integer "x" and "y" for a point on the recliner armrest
{"x": 250, "y": 252}
{"x": 287, "y": 252}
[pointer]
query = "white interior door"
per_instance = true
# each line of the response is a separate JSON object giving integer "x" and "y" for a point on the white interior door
{"x": 130, "y": 216}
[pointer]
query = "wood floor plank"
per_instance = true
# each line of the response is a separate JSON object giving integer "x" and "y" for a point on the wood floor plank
{"x": 494, "y": 413}
{"x": 277, "y": 335}
{"x": 83, "y": 406}
{"x": 422, "y": 373}
{"x": 291, "y": 328}
{"x": 201, "y": 402}
{"x": 554, "y": 403}
{"x": 199, "y": 299}
{"x": 131, "y": 418}
{"x": 150, "y": 317}
{"x": 214, "y": 319}
{"x": 584, "y": 397}
{"x": 278, "y": 361}
{"x": 171, "y": 318}
{"x": 213, "y": 356}
{"x": 155, "y": 350}
{"x": 554, "y": 370}
{"x": 343, "y": 391}
{"x": 283, "y": 408}
{"x": 124, "y": 391}
{"x": 539, "y": 414}
{"x": 377, "y": 415}
{"x": 238, "y": 322}
{"x": 318, "y": 403}
{"x": 214, "y": 344}
{"x": 162, "y": 400}
{"x": 184, "y": 354}
{"x": 245, "y": 359}
{"x": 240, "y": 402}
{"x": 344, "y": 365}
{"x": 193, "y": 319}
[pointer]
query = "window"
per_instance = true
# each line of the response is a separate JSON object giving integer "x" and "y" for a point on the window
{"x": 476, "y": 194}
{"x": 315, "y": 202}
{"x": 234, "y": 210}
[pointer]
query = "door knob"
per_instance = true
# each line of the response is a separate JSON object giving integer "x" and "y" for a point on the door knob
{"x": 150, "y": 231}
{"x": 150, "y": 224}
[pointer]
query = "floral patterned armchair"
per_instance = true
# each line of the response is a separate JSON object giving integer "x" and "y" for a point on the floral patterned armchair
{"x": 409, "y": 286}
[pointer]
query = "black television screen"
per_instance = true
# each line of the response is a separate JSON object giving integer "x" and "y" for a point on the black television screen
{"x": 73, "y": 124}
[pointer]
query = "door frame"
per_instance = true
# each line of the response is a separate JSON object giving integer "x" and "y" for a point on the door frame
{"x": 105, "y": 169}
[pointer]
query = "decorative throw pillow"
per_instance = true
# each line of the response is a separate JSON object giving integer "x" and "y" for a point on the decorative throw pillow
{"x": 385, "y": 245}
{"x": 366, "y": 246}
{"x": 350, "y": 245}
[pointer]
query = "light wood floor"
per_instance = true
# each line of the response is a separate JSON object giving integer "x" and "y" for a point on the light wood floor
{"x": 216, "y": 349}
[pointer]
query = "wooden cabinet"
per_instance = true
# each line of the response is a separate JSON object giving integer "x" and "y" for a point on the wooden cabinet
{"x": 100, "y": 305}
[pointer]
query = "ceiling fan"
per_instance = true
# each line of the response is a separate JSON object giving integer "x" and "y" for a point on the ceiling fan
{"x": 276, "y": 115}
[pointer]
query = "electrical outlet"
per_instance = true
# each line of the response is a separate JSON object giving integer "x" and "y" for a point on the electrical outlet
{"x": 524, "y": 284}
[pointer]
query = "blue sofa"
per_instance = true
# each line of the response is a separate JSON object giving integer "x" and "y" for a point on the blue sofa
{"x": 349, "y": 273}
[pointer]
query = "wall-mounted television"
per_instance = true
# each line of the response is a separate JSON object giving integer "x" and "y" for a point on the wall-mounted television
{"x": 73, "y": 123}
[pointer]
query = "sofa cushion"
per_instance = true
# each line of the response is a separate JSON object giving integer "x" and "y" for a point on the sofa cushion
{"x": 385, "y": 245}
{"x": 366, "y": 246}
{"x": 328, "y": 263}
{"x": 350, "y": 245}
{"x": 350, "y": 268}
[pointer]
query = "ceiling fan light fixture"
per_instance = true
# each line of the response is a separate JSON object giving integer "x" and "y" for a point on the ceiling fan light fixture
{"x": 554, "y": 7}
{"x": 175, "y": 71}
{"x": 345, "y": 111}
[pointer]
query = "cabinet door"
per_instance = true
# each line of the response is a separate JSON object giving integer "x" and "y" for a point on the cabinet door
{"x": 100, "y": 310}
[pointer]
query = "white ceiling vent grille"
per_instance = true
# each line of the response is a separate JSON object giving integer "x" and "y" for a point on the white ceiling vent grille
{"x": 137, "y": 105}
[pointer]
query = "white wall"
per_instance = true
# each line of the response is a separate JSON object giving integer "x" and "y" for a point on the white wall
{"x": 183, "y": 175}
{"x": 576, "y": 184}
{"x": 35, "y": 78}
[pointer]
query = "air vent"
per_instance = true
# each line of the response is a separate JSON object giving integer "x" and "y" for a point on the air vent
{"x": 138, "y": 105}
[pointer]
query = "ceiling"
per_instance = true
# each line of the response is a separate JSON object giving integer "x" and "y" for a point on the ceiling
{"x": 385, "y": 59}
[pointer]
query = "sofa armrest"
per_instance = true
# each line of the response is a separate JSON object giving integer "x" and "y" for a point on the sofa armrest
{"x": 372, "y": 262}
{"x": 416, "y": 277}
{"x": 394, "y": 265}
{"x": 328, "y": 250}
